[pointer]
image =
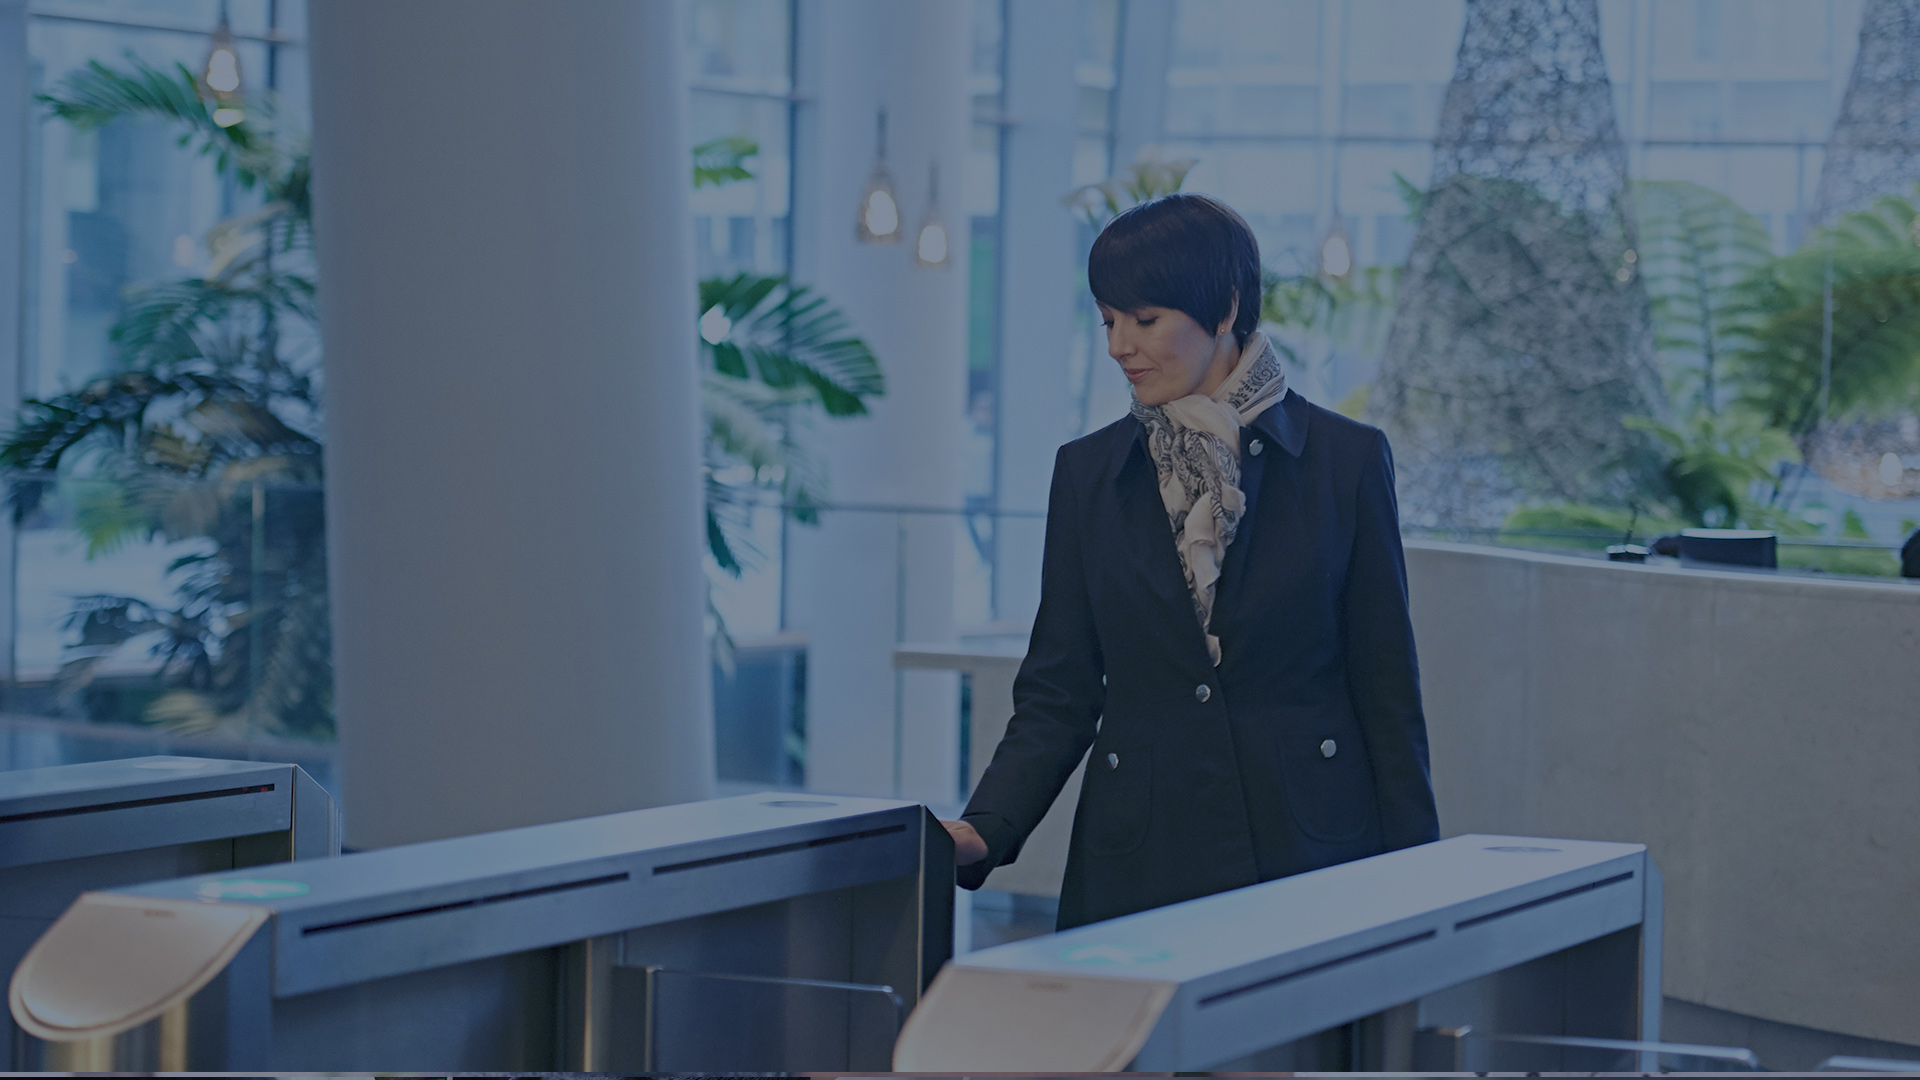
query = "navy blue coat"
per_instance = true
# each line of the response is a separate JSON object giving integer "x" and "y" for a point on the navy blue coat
{"x": 1305, "y": 748}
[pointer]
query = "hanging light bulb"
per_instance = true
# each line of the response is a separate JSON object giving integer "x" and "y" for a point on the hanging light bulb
{"x": 1336, "y": 252}
{"x": 930, "y": 240}
{"x": 879, "y": 220}
{"x": 220, "y": 75}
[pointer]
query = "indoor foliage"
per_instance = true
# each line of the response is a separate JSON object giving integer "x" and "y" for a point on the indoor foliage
{"x": 211, "y": 429}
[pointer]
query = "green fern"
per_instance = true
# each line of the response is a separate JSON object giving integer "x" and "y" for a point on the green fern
{"x": 1875, "y": 363}
{"x": 1696, "y": 247}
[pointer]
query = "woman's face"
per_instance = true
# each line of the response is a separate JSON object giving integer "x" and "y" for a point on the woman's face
{"x": 1166, "y": 354}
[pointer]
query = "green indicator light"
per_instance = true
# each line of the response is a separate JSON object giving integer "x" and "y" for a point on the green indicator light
{"x": 251, "y": 889}
{"x": 1113, "y": 954}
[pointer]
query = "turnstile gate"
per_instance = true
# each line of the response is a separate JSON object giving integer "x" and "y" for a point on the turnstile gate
{"x": 71, "y": 828}
{"x": 763, "y": 932}
{"x": 1340, "y": 968}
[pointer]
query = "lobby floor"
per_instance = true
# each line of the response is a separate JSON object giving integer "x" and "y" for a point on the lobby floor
{"x": 1000, "y": 917}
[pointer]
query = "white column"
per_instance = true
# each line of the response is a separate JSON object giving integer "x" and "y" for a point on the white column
{"x": 1146, "y": 47}
{"x": 847, "y": 588}
{"x": 16, "y": 105}
{"x": 512, "y": 491}
{"x": 1038, "y": 287}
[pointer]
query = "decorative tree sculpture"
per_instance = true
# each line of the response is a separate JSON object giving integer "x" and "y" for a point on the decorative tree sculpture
{"x": 1871, "y": 169}
{"x": 1875, "y": 146}
{"x": 1521, "y": 339}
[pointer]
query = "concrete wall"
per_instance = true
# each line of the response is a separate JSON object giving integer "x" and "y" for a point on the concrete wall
{"x": 1760, "y": 734}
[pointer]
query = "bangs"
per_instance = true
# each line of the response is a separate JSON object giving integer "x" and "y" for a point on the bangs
{"x": 1181, "y": 251}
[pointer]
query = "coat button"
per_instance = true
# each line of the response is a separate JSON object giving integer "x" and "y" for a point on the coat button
{"x": 1202, "y": 692}
{"x": 1328, "y": 748}
{"x": 1255, "y": 448}
{"x": 1113, "y": 761}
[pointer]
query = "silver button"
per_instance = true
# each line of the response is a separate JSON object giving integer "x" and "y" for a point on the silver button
{"x": 1255, "y": 448}
{"x": 1328, "y": 748}
{"x": 1202, "y": 692}
{"x": 1113, "y": 761}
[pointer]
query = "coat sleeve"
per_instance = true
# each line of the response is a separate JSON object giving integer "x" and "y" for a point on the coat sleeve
{"x": 1057, "y": 697}
{"x": 1383, "y": 675}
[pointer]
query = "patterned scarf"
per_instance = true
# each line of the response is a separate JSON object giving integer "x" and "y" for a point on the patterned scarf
{"x": 1195, "y": 445}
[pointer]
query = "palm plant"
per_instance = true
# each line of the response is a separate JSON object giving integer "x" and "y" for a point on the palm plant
{"x": 773, "y": 354}
{"x": 1149, "y": 177}
{"x": 214, "y": 410}
{"x": 214, "y": 416}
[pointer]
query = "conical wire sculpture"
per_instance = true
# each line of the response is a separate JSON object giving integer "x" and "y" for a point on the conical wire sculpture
{"x": 1875, "y": 146}
{"x": 1874, "y": 151}
{"x": 1521, "y": 338}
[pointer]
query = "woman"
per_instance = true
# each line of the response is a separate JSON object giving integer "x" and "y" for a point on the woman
{"x": 1223, "y": 610}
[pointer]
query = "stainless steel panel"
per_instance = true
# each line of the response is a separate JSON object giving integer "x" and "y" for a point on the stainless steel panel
{"x": 68, "y": 829}
{"x": 316, "y": 820}
{"x": 1559, "y": 937}
{"x": 73, "y": 811}
{"x": 516, "y": 951}
{"x": 699, "y": 1020}
{"x": 490, "y": 1015}
{"x": 44, "y": 890}
{"x": 381, "y": 913}
{"x": 328, "y": 947}
{"x": 1470, "y": 1049}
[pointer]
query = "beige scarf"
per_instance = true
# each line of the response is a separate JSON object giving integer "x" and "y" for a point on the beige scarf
{"x": 1195, "y": 445}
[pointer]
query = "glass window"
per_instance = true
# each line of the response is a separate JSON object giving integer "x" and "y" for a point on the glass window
{"x": 1401, "y": 40}
{"x": 162, "y": 594}
{"x": 987, "y": 77}
{"x": 1736, "y": 97}
{"x": 742, "y": 225}
{"x": 1780, "y": 110}
{"x": 740, "y": 65}
{"x": 1684, "y": 110}
{"x": 741, "y": 45}
{"x": 121, "y": 204}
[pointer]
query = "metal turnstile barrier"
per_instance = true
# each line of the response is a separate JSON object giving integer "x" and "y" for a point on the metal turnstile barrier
{"x": 71, "y": 828}
{"x": 1336, "y": 969}
{"x": 1855, "y": 1063}
{"x": 1462, "y": 1049}
{"x": 757, "y": 933}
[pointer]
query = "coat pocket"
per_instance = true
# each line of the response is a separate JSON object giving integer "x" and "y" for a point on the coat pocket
{"x": 1331, "y": 795}
{"x": 1116, "y": 802}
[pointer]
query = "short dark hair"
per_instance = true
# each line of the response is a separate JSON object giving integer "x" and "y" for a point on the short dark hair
{"x": 1182, "y": 251}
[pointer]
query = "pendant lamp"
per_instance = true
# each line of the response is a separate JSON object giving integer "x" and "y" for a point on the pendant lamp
{"x": 879, "y": 218}
{"x": 220, "y": 74}
{"x": 930, "y": 243}
{"x": 1336, "y": 251}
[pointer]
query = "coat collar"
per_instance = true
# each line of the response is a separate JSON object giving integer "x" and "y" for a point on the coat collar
{"x": 1144, "y": 522}
{"x": 1285, "y": 423}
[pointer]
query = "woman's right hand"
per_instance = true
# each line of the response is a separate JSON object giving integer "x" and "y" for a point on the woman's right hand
{"x": 968, "y": 847}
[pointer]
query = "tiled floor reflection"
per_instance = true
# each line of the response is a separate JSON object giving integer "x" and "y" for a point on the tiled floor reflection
{"x": 1000, "y": 917}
